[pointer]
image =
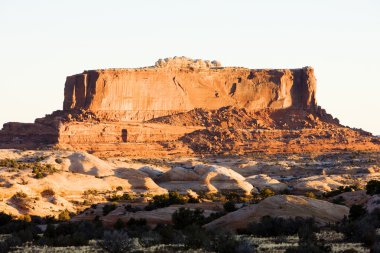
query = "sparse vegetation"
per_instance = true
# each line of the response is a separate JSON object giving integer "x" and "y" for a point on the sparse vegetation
{"x": 115, "y": 198}
{"x": 39, "y": 170}
{"x": 265, "y": 193}
{"x": 42, "y": 170}
{"x": 164, "y": 200}
{"x": 64, "y": 215}
{"x": 341, "y": 189}
{"x": 277, "y": 226}
{"x": 373, "y": 187}
{"x": 58, "y": 160}
{"x": 108, "y": 208}
{"x": 229, "y": 206}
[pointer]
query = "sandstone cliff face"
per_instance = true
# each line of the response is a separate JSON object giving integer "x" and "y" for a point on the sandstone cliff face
{"x": 175, "y": 85}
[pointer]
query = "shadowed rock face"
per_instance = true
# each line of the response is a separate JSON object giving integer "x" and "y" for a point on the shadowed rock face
{"x": 180, "y": 84}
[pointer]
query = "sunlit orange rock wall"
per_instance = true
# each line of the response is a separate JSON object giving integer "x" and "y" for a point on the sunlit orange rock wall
{"x": 141, "y": 94}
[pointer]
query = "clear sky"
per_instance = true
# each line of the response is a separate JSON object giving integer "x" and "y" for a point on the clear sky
{"x": 42, "y": 42}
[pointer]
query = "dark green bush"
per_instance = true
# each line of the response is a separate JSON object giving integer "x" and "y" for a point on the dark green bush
{"x": 196, "y": 237}
{"x": 64, "y": 215}
{"x": 356, "y": 211}
{"x": 115, "y": 242}
{"x": 42, "y": 170}
{"x": 108, "y": 208}
{"x": 277, "y": 226}
{"x": 184, "y": 217}
{"x": 340, "y": 189}
{"x": 119, "y": 224}
{"x": 5, "y": 219}
{"x": 168, "y": 234}
{"x": 137, "y": 227}
{"x": 164, "y": 200}
{"x": 373, "y": 187}
{"x": 229, "y": 206}
{"x": 58, "y": 160}
{"x": 124, "y": 197}
{"x": 71, "y": 234}
{"x": 224, "y": 242}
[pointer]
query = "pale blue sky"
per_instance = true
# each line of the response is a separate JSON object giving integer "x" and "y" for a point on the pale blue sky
{"x": 41, "y": 42}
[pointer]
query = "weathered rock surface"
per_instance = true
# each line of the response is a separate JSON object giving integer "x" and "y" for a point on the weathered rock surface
{"x": 263, "y": 181}
{"x": 319, "y": 183}
{"x": 281, "y": 206}
{"x": 204, "y": 178}
{"x": 148, "y": 92}
{"x": 158, "y": 216}
{"x": 79, "y": 178}
{"x": 81, "y": 162}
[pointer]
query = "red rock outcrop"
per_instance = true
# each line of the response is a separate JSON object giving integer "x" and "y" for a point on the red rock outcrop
{"x": 184, "y": 107}
{"x": 181, "y": 85}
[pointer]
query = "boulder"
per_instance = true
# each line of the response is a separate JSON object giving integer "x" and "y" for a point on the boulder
{"x": 263, "y": 181}
{"x": 84, "y": 163}
{"x": 285, "y": 206}
{"x": 319, "y": 183}
{"x": 209, "y": 178}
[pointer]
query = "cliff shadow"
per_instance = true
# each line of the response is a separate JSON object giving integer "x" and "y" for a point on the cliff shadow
{"x": 124, "y": 135}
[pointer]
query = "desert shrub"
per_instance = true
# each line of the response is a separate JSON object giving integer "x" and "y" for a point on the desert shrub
{"x": 5, "y": 219}
{"x": 64, "y": 215}
{"x": 150, "y": 238}
{"x": 339, "y": 190}
{"x": 373, "y": 187}
{"x": 7, "y": 244}
{"x": 244, "y": 247}
{"x": 124, "y": 197}
{"x": 108, "y": 208}
{"x": 213, "y": 216}
{"x": 119, "y": 224}
{"x": 308, "y": 242}
{"x": 58, "y": 160}
{"x": 310, "y": 195}
{"x": 164, "y": 200}
{"x": 168, "y": 234}
{"x": 232, "y": 195}
{"x": 132, "y": 209}
{"x": 224, "y": 242}
{"x": 42, "y": 170}
{"x": 40, "y": 158}
{"x": 26, "y": 218}
{"x": 71, "y": 234}
{"x": 137, "y": 227}
{"x": 265, "y": 193}
{"x": 119, "y": 188}
{"x": 15, "y": 226}
{"x": 47, "y": 193}
{"x": 195, "y": 237}
{"x": 356, "y": 211}
{"x": 277, "y": 226}
{"x": 20, "y": 195}
{"x": 362, "y": 228}
{"x": 115, "y": 242}
{"x": 184, "y": 217}
{"x": 338, "y": 200}
{"x": 229, "y": 206}
{"x": 9, "y": 163}
{"x": 191, "y": 199}
{"x": 26, "y": 235}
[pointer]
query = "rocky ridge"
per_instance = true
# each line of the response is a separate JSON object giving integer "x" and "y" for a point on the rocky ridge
{"x": 185, "y": 107}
